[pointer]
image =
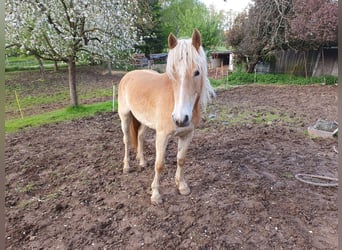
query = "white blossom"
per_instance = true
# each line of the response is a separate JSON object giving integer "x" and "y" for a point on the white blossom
{"x": 59, "y": 28}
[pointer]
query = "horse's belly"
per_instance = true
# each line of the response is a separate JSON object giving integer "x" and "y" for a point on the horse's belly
{"x": 146, "y": 120}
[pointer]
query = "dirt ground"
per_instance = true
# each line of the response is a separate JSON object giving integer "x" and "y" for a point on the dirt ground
{"x": 65, "y": 188}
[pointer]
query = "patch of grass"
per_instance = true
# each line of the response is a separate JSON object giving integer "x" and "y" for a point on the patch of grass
{"x": 242, "y": 78}
{"x": 69, "y": 113}
{"x": 266, "y": 117}
{"x": 25, "y": 63}
{"x": 53, "y": 196}
{"x": 25, "y": 203}
{"x": 288, "y": 175}
{"x": 230, "y": 117}
{"x": 105, "y": 92}
{"x": 31, "y": 101}
{"x": 26, "y": 189}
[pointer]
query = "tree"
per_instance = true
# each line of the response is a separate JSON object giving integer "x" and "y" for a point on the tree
{"x": 182, "y": 16}
{"x": 228, "y": 18}
{"x": 172, "y": 10}
{"x": 314, "y": 23}
{"x": 269, "y": 25}
{"x": 63, "y": 30}
{"x": 207, "y": 21}
{"x": 149, "y": 28}
{"x": 260, "y": 30}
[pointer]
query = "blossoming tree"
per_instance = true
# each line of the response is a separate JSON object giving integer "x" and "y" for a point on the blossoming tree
{"x": 68, "y": 30}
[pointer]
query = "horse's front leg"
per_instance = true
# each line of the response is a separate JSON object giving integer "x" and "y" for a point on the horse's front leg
{"x": 183, "y": 145}
{"x": 161, "y": 143}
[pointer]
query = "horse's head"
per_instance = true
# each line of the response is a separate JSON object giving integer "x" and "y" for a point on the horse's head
{"x": 187, "y": 67}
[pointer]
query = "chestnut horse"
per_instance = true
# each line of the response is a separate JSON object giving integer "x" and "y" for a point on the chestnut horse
{"x": 169, "y": 103}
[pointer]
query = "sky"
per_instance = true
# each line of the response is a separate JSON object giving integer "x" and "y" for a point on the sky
{"x": 235, "y": 5}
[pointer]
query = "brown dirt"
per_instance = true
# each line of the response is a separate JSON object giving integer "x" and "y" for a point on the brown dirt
{"x": 65, "y": 188}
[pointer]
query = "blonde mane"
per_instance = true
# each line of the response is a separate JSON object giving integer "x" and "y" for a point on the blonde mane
{"x": 182, "y": 57}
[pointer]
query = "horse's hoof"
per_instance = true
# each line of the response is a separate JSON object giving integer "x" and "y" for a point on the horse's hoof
{"x": 142, "y": 164}
{"x": 141, "y": 167}
{"x": 156, "y": 200}
{"x": 126, "y": 170}
{"x": 184, "y": 190}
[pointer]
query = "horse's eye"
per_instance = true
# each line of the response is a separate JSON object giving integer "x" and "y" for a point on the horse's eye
{"x": 196, "y": 73}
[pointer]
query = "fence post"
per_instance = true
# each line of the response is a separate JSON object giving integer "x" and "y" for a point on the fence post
{"x": 17, "y": 98}
{"x": 113, "y": 104}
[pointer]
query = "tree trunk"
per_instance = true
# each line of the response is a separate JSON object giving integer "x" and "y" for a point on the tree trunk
{"x": 109, "y": 66}
{"x": 55, "y": 66}
{"x": 251, "y": 66}
{"x": 72, "y": 81}
{"x": 41, "y": 67}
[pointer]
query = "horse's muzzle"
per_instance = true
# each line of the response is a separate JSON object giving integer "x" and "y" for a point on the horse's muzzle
{"x": 184, "y": 122}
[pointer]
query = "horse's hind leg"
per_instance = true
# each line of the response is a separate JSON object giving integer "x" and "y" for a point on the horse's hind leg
{"x": 140, "y": 148}
{"x": 161, "y": 143}
{"x": 125, "y": 124}
{"x": 183, "y": 145}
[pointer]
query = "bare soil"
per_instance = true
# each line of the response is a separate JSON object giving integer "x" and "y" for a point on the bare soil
{"x": 65, "y": 188}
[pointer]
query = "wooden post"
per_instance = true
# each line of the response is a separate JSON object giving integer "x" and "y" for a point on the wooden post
{"x": 113, "y": 105}
{"x": 17, "y": 98}
{"x": 305, "y": 66}
{"x": 323, "y": 72}
{"x": 227, "y": 77}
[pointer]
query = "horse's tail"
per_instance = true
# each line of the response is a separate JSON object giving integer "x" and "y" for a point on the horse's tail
{"x": 133, "y": 131}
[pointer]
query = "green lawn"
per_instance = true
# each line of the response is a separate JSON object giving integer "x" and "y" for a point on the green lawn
{"x": 69, "y": 113}
{"x": 242, "y": 78}
{"x": 22, "y": 63}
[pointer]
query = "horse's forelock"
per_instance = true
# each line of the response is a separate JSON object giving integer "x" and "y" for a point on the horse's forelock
{"x": 181, "y": 57}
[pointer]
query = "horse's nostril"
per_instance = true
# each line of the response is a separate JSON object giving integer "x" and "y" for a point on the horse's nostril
{"x": 186, "y": 119}
{"x": 181, "y": 122}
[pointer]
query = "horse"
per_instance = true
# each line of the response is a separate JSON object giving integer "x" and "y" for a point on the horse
{"x": 170, "y": 103}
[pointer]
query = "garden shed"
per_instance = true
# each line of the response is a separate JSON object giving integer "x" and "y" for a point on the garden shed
{"x": 222, "y": 58}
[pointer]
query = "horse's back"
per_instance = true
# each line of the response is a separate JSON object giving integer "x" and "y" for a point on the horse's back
{"x": 141, "y": 79}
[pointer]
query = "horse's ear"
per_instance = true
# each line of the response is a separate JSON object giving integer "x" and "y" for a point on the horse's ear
{"x": 196, "y": 39}
{"x": 172, "y": 41}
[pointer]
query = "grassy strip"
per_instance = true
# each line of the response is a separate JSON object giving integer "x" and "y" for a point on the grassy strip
{"x": 241, "y": 78}
{"x": 28, "y": 63}
{"x": 30, "y": 101}
{"x": 16, "y": 68}
{"x": 69, "y": 113}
